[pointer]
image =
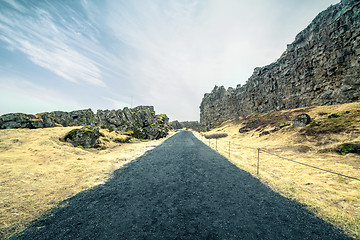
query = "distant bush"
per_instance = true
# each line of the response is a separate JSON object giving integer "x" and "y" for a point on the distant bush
{"x": 216, "y": 135}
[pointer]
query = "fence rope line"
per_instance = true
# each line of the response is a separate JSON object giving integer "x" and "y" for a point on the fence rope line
{"x": 243, "y": 146}
{"x": 309, "y": 165}
{"x": 288, "y": 159}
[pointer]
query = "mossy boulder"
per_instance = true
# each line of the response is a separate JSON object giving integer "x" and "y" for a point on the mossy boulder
{"x": 301, "y": 120}
{"x": 87, "y": 137}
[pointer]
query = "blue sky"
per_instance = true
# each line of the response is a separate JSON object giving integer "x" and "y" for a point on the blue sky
{"x": 109, "y": 54}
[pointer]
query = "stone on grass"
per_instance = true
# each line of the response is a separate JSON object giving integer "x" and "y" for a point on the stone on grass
{"x": 87, "y": 137}
{"x": 301, "y": 120}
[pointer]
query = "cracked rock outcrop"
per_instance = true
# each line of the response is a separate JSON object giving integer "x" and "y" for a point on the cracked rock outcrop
{"x": 321, "y": 67}
{"x": 141, "y": 121}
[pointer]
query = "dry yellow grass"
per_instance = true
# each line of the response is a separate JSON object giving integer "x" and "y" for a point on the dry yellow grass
{"x": 334, "y": 198}
{"x": 37, "y": 171}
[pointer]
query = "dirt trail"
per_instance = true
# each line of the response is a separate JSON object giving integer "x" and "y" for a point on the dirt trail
{"x": 181, "y": 190}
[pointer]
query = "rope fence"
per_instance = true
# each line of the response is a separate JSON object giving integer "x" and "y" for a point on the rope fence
{"x": 228, "y": 151}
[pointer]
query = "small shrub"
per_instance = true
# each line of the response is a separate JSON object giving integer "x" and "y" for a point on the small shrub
{"x": 349, "y": 148}
{"x": 264, "y": 133}
{"x": 128, "y": 133}
{"x": 274, "y": 130}
{"x": 304, "y": 149}
{"x": 124, "y": 139}
{"x": 216, "y": 135}
{"x": 337, "y": 115}
{"x": 327, "y": 150}
{"x": 282, "y": 125}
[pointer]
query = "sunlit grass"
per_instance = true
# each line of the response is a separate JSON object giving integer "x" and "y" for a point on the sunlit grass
{"x": 37, "y": 171}
{"x": 334, "y": 198}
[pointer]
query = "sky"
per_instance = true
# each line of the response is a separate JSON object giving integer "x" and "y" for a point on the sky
{"x": 109, "y": 54}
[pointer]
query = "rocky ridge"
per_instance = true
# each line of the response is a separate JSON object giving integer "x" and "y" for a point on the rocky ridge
{"x": 141, "y": 121}
{"x": 321, "y": 67}
{"x": 194, "y": 125}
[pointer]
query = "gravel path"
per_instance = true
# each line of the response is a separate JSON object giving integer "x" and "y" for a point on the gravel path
{"x": 181, "y": 190}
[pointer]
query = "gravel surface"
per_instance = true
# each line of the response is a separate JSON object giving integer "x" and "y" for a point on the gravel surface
{"x": 181, "y": 190}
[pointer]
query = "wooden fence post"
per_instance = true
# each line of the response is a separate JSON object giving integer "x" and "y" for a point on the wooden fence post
{"x": 229, "y": 149}
{"x": 258, "y": 163}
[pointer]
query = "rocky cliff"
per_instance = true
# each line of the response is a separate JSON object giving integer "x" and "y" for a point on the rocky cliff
{"x": 141, "y": 121}
{"x": 321, "y": 67}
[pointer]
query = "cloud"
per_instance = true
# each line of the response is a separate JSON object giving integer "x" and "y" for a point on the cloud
{"x": 49, "y": 44}
{"x": 161, "y": 53}
{"x": 27, "y": 97}
{"x": 15, "y": 5}
{"x": 181, "y": 49}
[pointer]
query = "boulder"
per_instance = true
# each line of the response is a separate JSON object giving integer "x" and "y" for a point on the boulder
{"x": 301, "y": 120}
{"x": 87, "y": 137}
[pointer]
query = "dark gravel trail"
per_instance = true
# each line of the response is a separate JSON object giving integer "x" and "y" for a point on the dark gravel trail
{"x": 181, "y": 190}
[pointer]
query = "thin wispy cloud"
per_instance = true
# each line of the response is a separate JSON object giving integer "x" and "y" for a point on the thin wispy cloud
{"x": 49, "y": 44}
{"x": 110, "y": 54}
{"x": 28, "y": 97}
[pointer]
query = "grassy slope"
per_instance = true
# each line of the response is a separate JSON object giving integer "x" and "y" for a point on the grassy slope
{"x": 334, "y": 198}
{"x": 37, "y": 171}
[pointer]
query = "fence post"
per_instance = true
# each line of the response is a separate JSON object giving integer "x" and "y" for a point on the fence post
{"x": 229, "y": 149}
{"x": 257, "y": 170}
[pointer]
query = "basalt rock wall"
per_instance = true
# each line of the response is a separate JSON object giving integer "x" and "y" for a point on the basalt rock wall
{"x": 321, "y": 67}
{"x": 141, "y": 121}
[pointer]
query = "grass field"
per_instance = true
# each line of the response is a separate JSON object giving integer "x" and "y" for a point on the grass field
{"x": 334, "y": 198}
{"x": 37, "y": 170}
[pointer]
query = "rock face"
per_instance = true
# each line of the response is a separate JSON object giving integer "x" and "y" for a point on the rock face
{"x": 194, "y": 125}
{"x": 321, "y": 67}
{"x": 21, "y": 120}
{"x": 141, "y": 120}
{"x": 87, "y": 137}
{"x": 74, "y": 118}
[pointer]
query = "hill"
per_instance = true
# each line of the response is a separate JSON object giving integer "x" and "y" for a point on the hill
{"x": 331, "y": 141}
